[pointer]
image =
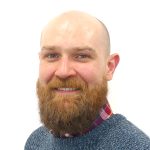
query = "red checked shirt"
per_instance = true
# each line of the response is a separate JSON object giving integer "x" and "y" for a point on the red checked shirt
{"x": 104, "y": 113}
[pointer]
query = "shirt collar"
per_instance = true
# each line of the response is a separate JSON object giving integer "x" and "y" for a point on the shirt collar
{"x": 104, "y": 113}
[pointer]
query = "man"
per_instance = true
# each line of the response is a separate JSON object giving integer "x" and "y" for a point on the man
{"x": 75, "y": 65}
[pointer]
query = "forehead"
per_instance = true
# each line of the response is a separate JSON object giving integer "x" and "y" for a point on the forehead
{"x": 67, "y": 33}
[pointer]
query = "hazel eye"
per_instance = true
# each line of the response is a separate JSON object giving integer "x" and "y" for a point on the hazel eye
{"x": 82, "y": 56}
{"x": 52, "y": 56}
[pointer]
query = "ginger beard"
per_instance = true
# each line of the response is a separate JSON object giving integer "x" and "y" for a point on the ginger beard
{"x": 70, "y": 113}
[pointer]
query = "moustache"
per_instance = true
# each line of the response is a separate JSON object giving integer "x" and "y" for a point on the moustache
{"x": 72, "y": 83}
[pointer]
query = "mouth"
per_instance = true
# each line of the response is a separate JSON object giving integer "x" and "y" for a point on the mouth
{"x": 67, "y": 90}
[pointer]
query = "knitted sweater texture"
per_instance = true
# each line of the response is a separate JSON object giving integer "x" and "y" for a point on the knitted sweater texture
{"x": 116, "y": 133}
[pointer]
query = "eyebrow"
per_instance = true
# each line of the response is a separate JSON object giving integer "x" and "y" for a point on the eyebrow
{"x": 50, "y": 48}
{"x": 85, "y": 48}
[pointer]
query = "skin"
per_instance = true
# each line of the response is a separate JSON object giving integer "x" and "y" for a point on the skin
{"x": 76, "y": 44}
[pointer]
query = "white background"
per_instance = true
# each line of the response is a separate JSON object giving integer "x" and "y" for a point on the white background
{"x": 21, "y": 22}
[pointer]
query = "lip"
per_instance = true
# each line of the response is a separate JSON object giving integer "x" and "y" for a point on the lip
{"x": 67, "y": 90}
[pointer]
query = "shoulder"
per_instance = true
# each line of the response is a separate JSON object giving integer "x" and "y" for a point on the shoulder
{"x": 36, "y": 138}
{"x": 122, "y": 134}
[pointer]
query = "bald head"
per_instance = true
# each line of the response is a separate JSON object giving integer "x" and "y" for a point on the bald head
{"x": 76, "y": 26}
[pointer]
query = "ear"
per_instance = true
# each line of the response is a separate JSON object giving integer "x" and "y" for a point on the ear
{"x": 112, "y": 63}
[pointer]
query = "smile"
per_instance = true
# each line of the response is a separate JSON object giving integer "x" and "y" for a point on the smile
{"x": 67, "y": 90}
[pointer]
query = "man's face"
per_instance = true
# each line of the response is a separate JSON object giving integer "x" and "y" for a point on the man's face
{"x": 72, "y": 51}
{"x": 72, "y": 83}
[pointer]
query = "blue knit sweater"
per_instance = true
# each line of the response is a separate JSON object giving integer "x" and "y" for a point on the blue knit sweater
{"x": 116, "y": 133}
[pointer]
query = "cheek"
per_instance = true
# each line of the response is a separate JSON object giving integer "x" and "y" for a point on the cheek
{"x": 90, "y": 74}
{"x": 45, "y": 73}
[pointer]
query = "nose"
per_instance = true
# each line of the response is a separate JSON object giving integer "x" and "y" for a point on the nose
{"x": 65, "y": 69}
